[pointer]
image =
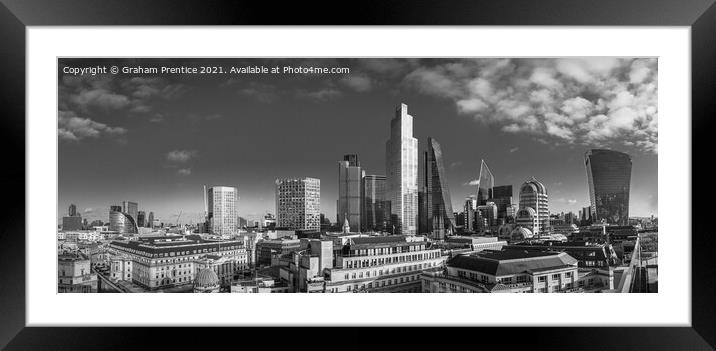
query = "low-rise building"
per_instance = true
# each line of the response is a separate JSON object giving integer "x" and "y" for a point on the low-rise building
{"x": 161, "y": 262}
{"x": 74, "y": 274}
{"x": 505, "y": 272}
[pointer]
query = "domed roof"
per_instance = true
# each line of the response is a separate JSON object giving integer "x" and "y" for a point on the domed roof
{"x": 526, "y": 212}
{"x": 521, "y": 233}
{"x": 206, "y": 278}
{"x": 535, "y": 186}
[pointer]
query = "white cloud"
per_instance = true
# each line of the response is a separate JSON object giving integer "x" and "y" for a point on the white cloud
{"x": 359, "y": 83}
{"x": 589, "y": 101}
{"x": 74, "y": 128}
{"x": 184, "y": 171}
{"x": 180, "y": 155}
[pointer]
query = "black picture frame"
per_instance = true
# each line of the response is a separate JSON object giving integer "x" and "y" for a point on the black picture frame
{"x": 700, "y": 16}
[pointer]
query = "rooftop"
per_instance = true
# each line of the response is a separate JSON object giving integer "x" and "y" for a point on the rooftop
{"x": 500, "y": 263}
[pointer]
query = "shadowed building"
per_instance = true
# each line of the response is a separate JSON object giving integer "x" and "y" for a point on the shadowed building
{"x": 609, "y": 177}
{"x": 485, "y": 184}
{"x": 375, "y": 207}
{"x": 439, "y": 214}
{"x": 401, "y": 166}
{"x": 349, "y": 191}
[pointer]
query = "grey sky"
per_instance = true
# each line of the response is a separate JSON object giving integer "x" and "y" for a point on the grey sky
{"x": 156, "y": 139}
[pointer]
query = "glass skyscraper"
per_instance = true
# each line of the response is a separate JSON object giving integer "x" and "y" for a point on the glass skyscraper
{"x": 349, "y": 191}
{"x": 375, "y": 212}
{"x": 222, "y": 214}
{"x": 485, "y": 183}
{"x": 121, "y": 221}
{"x": 440, "y": 217}
{"x": 130, "y": 208}
{"x": 609, "y": 177}
{"x": 401, "y": 168}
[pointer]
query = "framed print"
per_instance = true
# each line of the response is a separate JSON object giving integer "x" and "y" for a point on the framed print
{"x": 386, "y": 172}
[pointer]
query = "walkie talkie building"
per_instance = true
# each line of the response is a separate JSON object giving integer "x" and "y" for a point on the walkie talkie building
{"x": 609, "y": 177}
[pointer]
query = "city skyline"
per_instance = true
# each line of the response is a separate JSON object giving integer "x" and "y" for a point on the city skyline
{"x": 168, "y": 130}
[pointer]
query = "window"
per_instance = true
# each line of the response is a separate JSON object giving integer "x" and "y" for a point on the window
{"x": 568, "y": 275}
{"x": 555, "y": 276}
{"x": 542, "y": 279}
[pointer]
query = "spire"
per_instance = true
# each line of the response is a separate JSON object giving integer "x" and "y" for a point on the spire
{"x": 346, "y": 225}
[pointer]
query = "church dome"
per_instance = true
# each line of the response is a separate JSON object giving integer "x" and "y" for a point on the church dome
{"x": 206, "y": 278}
{"x": 533, "y": 185}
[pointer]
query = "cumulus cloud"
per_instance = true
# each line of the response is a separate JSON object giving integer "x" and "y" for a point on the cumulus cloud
{"x": 180, "y": 155}
{"x": 75, "y": 128}
{"x": 94, "y": 94}
{"x": 184, "y": 171}
{"x": 589, "y": 101}
{"x": 473, "y": 182}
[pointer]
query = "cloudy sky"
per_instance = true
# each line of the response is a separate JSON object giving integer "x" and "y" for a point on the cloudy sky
{"x": 157, "y": 138}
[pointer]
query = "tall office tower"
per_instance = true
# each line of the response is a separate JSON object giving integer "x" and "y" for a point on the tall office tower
{"x": 375, "y": 205}
{"x": 121, "y": 221}
{"x": 470, "y": 208}
{"x": 130, "y": 208}
{"x": 401, "y": 166}
{"x": 72, "y": 211}
{"x": 298, "y": 203}
{"x": 150, "y": 220}
{"x": 141, "y": 219}
{"x": 440, "y": 218}
{"x": 485, "y": 184}
{"x": 502, "y": 197}
{"x": 609, "y": 176}
{"x": 349, "y": 187}
{"x": 222, "y": 209}
{"x": 533, "y": 194}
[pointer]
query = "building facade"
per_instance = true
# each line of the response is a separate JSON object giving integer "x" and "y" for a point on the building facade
{"x": 298, "y": 203}
{"x": 438, "y": 204}
{"x": 505, "y": 272}
{"x": 121, "y": 222}
{"x": 222, "y": 214}
{"x": 350, "y": 176}
{"x": 131, "y": 209}
{"x": 533, "y": 194}
{"x": 376, "y": 212}
{"x": 74, "y": 274}
{"x": 160, "y": 262}
{"x": 609, "y": 178}
{"x": 401, "y": 170}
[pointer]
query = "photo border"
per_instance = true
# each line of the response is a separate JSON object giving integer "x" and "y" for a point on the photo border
{"x": 16, "y": 15}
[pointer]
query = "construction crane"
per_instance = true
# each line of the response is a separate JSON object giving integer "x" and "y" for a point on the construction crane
{"x": 179, "y": 215}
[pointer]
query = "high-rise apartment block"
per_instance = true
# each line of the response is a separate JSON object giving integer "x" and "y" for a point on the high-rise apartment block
{"x": 298, "y": 203}
{"x": 222, "y": 214}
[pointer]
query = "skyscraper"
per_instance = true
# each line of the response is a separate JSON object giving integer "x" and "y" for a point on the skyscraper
{"x": 401, "y": 166}
{"x": 121, "y": 221}
{"x": 72, "y": 212}
{"x": 349, "y": 190}
{"x": 298, "y": 203}
{"x": 439, "y": 216}
{"x": 609, "y": 177}
{"x": 375, "y": 207}
{"x": 141, "y": 219}
{"x": 131, "y": 209}
{"x": 150, "y": 220}
{"x": 485, "y": 184}
{"x": 502, "y": 197}
{"x": 533, "y": 194}
{"x": 222, "y": 209}
{"x": 470, "y": 210}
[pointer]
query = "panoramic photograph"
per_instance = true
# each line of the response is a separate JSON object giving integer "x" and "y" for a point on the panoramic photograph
{"x": 357, "y": 175}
